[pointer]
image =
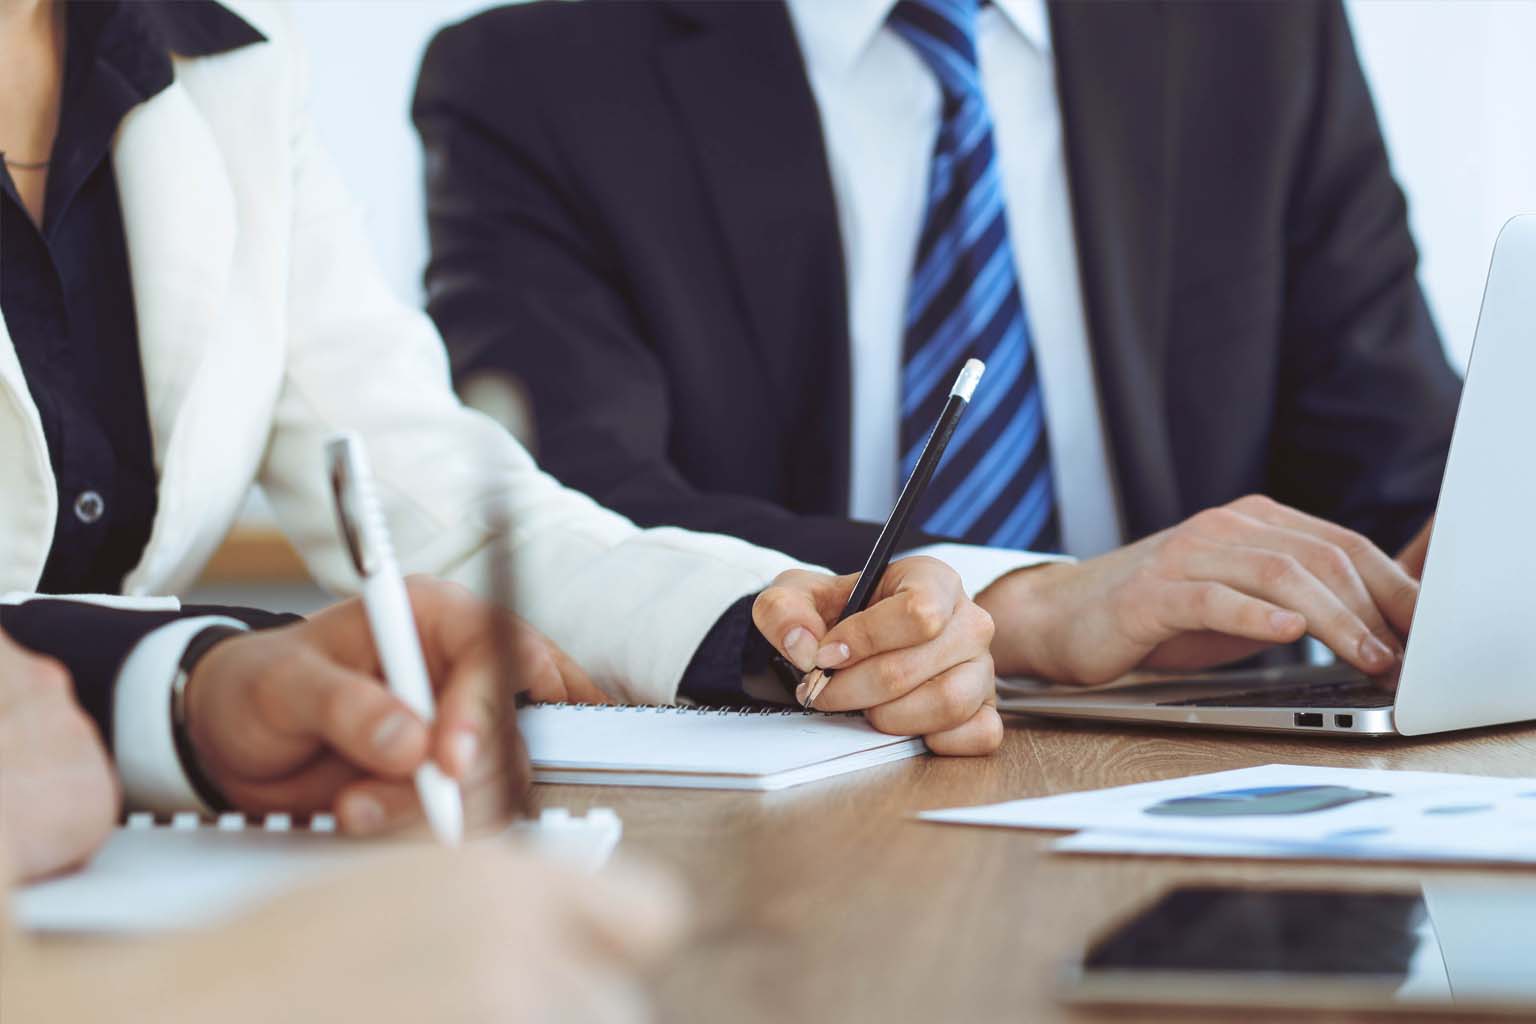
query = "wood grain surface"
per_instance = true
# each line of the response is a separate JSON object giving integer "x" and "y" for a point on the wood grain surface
{"x": 829, "y": 902}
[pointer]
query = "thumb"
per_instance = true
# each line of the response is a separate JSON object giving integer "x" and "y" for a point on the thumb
{"x": 353, "y": 715}
{"x": 794, "y": 613}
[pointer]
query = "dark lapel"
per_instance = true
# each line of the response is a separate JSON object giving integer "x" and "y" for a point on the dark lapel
{"x": 735, "y": 72}
{"x": 1112, "y": 75}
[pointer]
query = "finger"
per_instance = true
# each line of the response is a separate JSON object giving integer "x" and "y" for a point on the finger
{"x": 942, "y": 703}
{"x": 979, "y": 736}
{"x": 1393, "y": 589}
{"x": 371, "y": 807}
{"x": 579, "y": 687}
{"x": 921, "y": 599}
{"x": 889, "y": 676}
{"x": 467, "y": 711}
{"x": 793, "y": 613}
{"x": 1412, "y": 557}
{"x": 313, "y": 788}
{"x": 1183, "y": 608}
{"x": 348, "y": 711}
{"x": 1332, "y": 567}
{"x": 1282, "y": 580}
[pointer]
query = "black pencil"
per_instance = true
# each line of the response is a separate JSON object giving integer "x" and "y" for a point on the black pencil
{"x": 911, "y": 493}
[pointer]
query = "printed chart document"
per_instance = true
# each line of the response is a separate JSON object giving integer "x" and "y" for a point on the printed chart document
{"x": 1289, "y": 811}
{"x": 190, "y": 874}
{"x": 701, "y": 748}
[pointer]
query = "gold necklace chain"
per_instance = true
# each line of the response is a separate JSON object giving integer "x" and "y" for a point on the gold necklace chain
{"x": 25, "y": 165}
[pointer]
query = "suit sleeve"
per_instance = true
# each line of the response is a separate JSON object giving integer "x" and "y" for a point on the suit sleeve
{"x": 1367, "y": 397}
{"x": 521, "y": 283}
{"x": 631, "y": 606}
{"x": 92, "y": 642}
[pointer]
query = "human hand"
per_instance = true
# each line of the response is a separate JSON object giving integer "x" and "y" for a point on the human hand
{"x": 299, "y": 719}
{"x": 1411, "y": 558}
{"x": 59, "y": 798}
{"x": 512, "y": 937}
{"x": 916, "y": 661}
{"x": 488, "y": 933}
{"x": 1224, "y": 584}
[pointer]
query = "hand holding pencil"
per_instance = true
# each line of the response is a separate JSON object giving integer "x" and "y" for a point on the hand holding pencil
{"x": 907, "y": 645}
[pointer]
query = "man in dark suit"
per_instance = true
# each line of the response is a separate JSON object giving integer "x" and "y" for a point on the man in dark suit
{"x": 735, "y": 251}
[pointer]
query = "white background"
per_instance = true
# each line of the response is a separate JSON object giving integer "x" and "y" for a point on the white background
{"x": 1455, "y": 84}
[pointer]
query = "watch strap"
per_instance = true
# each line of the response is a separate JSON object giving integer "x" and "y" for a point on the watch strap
{"x": 200, "y": 645}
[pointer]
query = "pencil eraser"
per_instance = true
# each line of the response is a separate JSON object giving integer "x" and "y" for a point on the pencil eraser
{"x": 970, "y": 376}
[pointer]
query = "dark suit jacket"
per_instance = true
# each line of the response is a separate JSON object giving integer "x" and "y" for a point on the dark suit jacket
{"x": 92, "y": 642}
{"x": 631, "y": 211}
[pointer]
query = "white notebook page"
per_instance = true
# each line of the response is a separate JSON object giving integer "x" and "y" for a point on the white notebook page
{"x": 703, "y": 741}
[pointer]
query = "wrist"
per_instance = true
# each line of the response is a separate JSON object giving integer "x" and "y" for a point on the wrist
{"x": 1027, "y": 609}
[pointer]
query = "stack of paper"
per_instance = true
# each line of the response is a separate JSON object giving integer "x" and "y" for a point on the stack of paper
{"x": 1290, "y": 811}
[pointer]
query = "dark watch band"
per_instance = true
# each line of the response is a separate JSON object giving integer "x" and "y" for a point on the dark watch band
{"x": 200, "y": 645}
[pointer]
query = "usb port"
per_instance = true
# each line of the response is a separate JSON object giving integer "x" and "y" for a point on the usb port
{"x": 1310, "y": 719}
{"x": 1344, "y": 721}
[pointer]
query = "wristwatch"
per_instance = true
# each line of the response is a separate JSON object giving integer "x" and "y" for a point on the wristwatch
{"x": 201, "y": 644}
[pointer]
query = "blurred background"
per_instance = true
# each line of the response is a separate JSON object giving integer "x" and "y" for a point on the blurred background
{"x": 1455, "y": 88}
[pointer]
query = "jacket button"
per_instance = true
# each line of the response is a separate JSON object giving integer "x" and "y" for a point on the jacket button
{"x": 89, "y": 507}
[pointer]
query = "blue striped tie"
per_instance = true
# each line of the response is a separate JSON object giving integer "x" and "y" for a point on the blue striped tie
{"x": 994, "y": 486}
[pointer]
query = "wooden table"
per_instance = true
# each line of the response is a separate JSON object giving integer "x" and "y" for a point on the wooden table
{"x": 830, "y": 903}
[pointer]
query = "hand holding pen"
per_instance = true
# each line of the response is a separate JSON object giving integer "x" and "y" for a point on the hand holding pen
{"x": 297, "y": 719}
{"x": 905, "y": 643}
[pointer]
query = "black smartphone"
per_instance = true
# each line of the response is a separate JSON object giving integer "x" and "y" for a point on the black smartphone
{"x": 1464, "y": 947}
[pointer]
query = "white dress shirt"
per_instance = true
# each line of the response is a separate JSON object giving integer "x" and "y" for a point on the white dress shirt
{"x": 880, "y": 109}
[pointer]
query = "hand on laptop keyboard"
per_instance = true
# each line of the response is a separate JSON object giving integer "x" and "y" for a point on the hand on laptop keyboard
{"x": 1220, "y": 586}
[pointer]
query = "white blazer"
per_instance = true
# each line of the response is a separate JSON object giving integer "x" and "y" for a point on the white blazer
{"x": 265, "y": 328}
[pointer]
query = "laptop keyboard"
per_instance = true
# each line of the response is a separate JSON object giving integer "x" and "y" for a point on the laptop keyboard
{"x": 1353, "y": 694}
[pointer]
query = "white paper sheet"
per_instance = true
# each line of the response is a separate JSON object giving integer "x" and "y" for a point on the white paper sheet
{"x": 1291, "y": 811}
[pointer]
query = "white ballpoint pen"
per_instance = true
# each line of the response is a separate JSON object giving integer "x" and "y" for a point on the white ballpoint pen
{"x": 389, "y": 617}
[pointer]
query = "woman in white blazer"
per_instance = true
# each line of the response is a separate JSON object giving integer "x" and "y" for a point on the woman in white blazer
{"x": 263, "y": 328}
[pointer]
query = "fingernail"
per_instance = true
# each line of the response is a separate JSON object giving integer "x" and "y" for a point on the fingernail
{"x": 364, "y": 814}
{"x": 1376, "y": 653}
{"x": 800, "y": 648}
{"x": 390, "y": 731}
{"x": 464, "y": 745}
{"x": 800, "y": 692}
{"x": 832, "y": 655}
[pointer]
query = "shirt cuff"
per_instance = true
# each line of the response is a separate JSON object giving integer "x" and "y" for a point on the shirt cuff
{"x": 152, "y": 776}
{"x": 981, "y": 567}
{"x": 732, "y": 666}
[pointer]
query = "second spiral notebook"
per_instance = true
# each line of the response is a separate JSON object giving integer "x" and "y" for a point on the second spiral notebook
{"x": 700, "y": 748}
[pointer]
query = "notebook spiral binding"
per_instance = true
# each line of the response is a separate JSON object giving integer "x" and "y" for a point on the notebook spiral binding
{"x": 696, "y": 709}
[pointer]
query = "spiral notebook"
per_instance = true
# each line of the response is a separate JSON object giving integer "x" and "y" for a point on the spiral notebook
{"x": 158, "y": 875}
{"x": 701, "y": 748}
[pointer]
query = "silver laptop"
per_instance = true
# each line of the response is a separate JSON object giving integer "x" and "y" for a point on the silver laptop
{"x": 1471, "y": 658}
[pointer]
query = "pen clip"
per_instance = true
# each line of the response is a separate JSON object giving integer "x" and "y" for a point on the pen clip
{"x": 348, "y": 477}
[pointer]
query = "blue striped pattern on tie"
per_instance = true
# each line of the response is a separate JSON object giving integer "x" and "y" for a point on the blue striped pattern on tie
{"x": 994, "y": 486}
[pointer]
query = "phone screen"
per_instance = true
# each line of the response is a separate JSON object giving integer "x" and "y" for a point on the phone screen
{"x": 1462, "y": 944}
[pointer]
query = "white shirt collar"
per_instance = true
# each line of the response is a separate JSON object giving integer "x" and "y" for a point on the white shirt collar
{"x": 835, "y": 33}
